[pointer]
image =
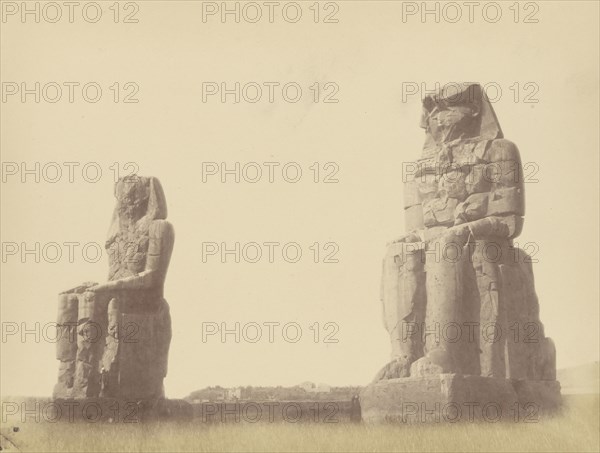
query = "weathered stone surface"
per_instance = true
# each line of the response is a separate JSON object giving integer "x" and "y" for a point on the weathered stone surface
{"x": 66, "y": 345}
{"x": 123, "y": 327}
{"x": 541, "y": 396}
{"x": 455, "y": 398}
{"x": 458, "y": 298}
{"x": 118, "y": 410}
{"x": 456, "y": 295}
{"x": 413, "y": 217}
{"x": 66, "y": 374}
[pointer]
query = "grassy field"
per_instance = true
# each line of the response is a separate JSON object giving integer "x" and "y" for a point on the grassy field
{"x": 576, "y": 428}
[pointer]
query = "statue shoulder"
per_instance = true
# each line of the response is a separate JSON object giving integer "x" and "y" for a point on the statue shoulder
{"x": 503, "y": 150}
{"x": 161, "y": 229}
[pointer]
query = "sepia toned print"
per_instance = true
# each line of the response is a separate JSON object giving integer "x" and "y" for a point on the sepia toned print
{"x": 330, "y": 168}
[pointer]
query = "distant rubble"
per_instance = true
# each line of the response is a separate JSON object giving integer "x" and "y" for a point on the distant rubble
{"x": 573, "y": 380}
{"x": 304, "y": 391}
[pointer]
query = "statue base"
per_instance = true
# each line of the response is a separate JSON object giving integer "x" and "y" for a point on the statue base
{"x": 450, "y": 398}
{"x": 113, "y": 410}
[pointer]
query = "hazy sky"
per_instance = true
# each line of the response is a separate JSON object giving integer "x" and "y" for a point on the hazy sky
{"x": 368, "y": 56}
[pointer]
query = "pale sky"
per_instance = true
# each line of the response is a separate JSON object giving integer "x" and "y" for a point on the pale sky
{"x": 368, "y": 134}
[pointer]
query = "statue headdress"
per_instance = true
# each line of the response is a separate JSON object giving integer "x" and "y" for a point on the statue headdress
{"x": 485, "y": 125}
{"x": 149, "y": 191}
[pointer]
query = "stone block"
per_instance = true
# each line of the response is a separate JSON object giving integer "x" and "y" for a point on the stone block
{"x": 451, "y": 398}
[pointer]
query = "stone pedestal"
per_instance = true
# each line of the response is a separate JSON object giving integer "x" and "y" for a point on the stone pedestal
{"x": 114, "y": 410}
{"x": 451, "y": 398}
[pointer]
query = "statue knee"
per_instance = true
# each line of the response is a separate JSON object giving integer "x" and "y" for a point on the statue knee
{"x": 66, "y": 345}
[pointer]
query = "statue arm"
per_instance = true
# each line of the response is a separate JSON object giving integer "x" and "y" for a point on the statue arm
{"x": 500, "y": 211}
{"x": 80, "y": 288}
{"x": 160, "y": 247}
{"x": 507, "y": 196}
{"x": 413, "y": 214}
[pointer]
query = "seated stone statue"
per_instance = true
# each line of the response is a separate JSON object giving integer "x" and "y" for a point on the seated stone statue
{"x": 457, "y": 296}
{"x": 115, "y": 336}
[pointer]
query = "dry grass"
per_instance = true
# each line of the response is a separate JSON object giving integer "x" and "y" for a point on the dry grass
{"x": 575, "y": 429}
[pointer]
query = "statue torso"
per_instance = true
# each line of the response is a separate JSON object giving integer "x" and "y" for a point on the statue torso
{"x": 127, "y": 254}
{"x": 448, "y": 177}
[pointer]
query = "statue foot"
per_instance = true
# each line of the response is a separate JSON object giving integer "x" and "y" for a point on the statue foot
{"x": 397, "y": 368}
{"x": 434, "y": 363}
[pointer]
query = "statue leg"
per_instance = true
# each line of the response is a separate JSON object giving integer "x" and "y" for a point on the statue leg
{"x": 545, "y": 368}
{"x": 90, "y": 344}
{"x": 403, "y": 298}
{"x": 143, "y": 351}
{"x": 517, "y": 355}
{"x": 445, "y": 264}
{"x": 487, "y": 256}
{"x": 110, "y": 356}
{"x": 66, "y": 345}
{"x": 163, "y": 334}
{"x": 537, "y": 352}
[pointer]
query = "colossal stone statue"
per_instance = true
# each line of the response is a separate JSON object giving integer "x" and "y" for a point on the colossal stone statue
{"x": 458, "y": 298}
{"x": 115, "y": 336}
